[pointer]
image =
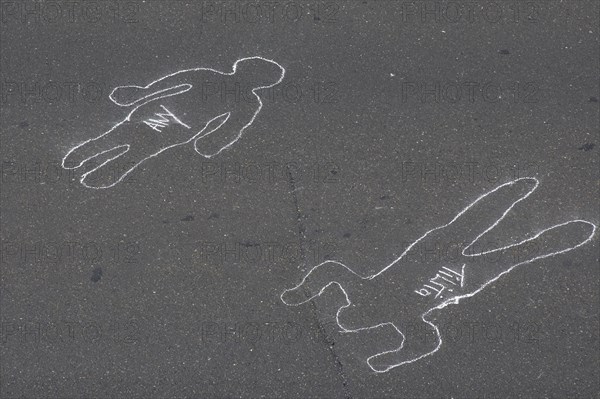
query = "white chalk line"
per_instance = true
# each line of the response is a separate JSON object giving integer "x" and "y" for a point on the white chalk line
{"x": 452, "y": 300}
{"x": 169, "y": 93}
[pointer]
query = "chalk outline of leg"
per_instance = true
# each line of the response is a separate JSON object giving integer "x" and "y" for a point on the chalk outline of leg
{"x": 170, "y": 91}
{"x": 452, "y": 300}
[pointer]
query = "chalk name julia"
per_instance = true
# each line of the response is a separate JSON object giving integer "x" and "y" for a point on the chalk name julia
{"x": 448, "y": 279}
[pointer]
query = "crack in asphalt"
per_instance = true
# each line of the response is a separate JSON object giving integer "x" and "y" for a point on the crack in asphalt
{"x": 329, "y": 342}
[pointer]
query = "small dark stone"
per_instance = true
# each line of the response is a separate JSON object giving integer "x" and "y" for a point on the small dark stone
{"x": 347, "y": 235}
{"x": 593, "y": 99}
{"x": 188, "y": 218}
{"x": 96, "y": 274}
{"x": 504, "y": 51}
{"x": 587, "y": 146}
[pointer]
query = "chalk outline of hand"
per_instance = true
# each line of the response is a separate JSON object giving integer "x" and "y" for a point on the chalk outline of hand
{"x": 332, "y": 270}
{"x": 218, "y": 121}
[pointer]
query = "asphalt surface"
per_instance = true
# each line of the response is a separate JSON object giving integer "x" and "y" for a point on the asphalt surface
{"x": 391, "y": 118}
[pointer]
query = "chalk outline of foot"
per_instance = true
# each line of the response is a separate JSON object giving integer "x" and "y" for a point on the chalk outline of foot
{"x": 179, "y": 89}
{"x": 451, "y": 300}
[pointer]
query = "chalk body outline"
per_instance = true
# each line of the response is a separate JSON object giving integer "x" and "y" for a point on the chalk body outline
{"x": 169, "y": 92}
{"x": 452, "y": 300}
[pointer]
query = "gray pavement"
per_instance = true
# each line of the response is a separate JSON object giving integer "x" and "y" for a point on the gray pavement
{"x": 391, "y": 118}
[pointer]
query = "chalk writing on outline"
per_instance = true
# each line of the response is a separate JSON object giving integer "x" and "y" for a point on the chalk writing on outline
{"x": 420, "y": 288}
{"x": 163, "y": 120}
{"x": 449, "y": 278}
{"x": 160, "y": 120}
